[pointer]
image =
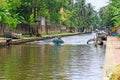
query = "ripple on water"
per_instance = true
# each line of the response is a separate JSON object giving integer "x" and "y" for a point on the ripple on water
{"x": 42, "y": 60}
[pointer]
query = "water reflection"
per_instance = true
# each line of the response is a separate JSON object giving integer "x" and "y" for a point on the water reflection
{"x": 34, "y": 61}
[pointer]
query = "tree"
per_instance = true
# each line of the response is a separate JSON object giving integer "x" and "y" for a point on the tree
{"x": 114, "y": 6}
{"x": 54, "y": 7}
{"x": 6, "y": 16}
{"x": 109, "y": 14}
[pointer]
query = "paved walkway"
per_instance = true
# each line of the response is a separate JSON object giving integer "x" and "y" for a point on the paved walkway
{"x": 112, "y": 56}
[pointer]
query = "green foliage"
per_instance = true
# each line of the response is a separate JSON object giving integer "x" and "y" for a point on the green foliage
{"x": 31, "y": 19}
{"x": 6, "y": 16}
{"x": 115, "y": 7}
{"x": 54, "y": 8}
{"x": 13, "y": 4}
{"x": 77, "y": 14}
{"x": 42, "y": 8}
{"x": 110, "y": 15}
{"x": 80, "y": 14}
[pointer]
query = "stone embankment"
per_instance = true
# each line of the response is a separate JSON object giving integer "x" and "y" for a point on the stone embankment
{"x": 3, "y": 41}
{"x": 112, "y": 56}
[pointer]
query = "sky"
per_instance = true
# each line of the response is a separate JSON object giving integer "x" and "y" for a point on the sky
{"x": 97, "y": 4}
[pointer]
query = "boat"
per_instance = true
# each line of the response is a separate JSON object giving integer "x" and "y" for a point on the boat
{"x": 97, "y": 41}
{"x": 57, "y": 40}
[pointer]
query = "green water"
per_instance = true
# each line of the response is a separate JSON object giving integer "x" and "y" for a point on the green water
{"x": 34, "y": 61}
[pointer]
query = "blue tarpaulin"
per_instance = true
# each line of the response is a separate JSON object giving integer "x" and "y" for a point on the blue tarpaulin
{"x": 57, "y": 41}
{"x": 114, "y": 34}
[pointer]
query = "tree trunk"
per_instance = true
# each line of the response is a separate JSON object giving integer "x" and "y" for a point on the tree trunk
{"x": 43, "y": 24}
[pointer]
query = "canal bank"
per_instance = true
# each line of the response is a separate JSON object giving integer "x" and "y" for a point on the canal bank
{"x": 112, "y": 57}
{"x": 3, "y": 41}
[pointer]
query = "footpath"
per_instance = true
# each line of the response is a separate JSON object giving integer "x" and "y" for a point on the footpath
{"x": 112, "y": 56}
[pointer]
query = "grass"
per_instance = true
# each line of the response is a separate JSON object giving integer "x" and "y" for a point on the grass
{"x": 54, "y": 34}
{"x": 44, "y": 35}
{"x": 26, "y": 36}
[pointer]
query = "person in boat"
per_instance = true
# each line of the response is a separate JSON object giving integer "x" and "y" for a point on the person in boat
{"x": 57, "y": 40}
{"x": 100, "y": 42}
{"x": 97, "y": 41}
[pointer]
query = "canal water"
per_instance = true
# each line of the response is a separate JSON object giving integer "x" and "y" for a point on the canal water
{"x": 42, "y": 60}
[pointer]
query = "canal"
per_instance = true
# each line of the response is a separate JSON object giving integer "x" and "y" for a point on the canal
{"x": 42, "y": 60}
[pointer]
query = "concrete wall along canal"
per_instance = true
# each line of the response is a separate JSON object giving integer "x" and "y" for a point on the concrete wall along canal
{"x": 112, "y": 57}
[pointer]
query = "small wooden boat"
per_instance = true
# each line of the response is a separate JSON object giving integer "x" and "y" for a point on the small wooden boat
{"x": 97, "y": 41}
{"x": 57, "y": 41}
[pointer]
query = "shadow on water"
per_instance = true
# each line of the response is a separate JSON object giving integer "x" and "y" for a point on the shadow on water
{"x": 42, "y": 60}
